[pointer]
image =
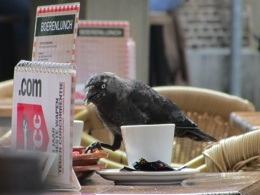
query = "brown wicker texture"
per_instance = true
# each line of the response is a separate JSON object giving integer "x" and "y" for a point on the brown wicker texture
{"x": 236, "y": 153}
{"x": 6, "y": 89}
{"x": 208, "y": 108}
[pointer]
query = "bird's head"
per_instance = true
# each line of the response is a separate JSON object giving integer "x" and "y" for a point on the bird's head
{"x": 100, "y": 87}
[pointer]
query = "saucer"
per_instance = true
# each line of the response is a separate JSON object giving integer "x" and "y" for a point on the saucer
{"x": 146, "y": 177}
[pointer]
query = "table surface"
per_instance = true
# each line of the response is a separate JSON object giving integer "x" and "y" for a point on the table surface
{"x": 200, "y": 183}
{"x": 245, "y": 121}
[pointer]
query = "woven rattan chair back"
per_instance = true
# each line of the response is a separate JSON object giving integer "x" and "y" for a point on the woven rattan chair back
{"x": 209, "y": 109}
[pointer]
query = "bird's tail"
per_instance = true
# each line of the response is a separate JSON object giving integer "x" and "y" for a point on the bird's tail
{"x": 194, "y": 134}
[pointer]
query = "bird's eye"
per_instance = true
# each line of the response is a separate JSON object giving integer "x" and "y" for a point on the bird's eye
{"x": 103, "y": 86}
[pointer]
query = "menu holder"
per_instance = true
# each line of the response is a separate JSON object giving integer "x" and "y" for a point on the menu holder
{"x": 42, "y": 118}
{"x": 56, "y": 33}
{"x": 103, "y": 46}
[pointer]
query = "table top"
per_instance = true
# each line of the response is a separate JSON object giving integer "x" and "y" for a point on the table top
{"x": 245, "y": 121}
{"x": 200, "y": 183}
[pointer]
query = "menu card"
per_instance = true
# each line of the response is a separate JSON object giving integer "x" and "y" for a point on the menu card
{"x": 103, "y": 46}
{"x": 55, "y": 33}
{"x": 42, "y": 118}
{"x": 44, "y": 92}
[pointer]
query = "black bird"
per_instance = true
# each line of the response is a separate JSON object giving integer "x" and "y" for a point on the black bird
{"x": 120, "y": 101}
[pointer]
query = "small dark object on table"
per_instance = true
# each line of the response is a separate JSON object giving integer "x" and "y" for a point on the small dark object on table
{"x": 143, "y": 165}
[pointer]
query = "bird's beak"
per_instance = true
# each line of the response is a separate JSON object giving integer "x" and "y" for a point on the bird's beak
{"x": 89, "y": 94}
{"x": 86, "y": 99}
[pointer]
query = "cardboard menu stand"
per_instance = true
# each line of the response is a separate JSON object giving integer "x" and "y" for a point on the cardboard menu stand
{"x": 44, "y": 96}
{"x": 55, "y": 33}
{"x": 43, "y": 117}
{"x": 103, "y": 46}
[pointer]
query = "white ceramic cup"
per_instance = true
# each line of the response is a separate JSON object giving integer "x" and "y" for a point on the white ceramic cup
{"x": 77, "y": 132}
{"x": 151, "y": 142}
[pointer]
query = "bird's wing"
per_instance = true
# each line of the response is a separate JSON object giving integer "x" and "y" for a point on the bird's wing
{"x": 158, "y": 108}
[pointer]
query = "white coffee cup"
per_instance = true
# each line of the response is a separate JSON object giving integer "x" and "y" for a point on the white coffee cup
{"x": 77, "y": 132}
{"x": 151, "y": 142}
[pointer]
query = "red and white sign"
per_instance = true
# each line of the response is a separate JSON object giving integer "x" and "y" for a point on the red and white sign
{"x": 43, "y": 113}
{"x": 32, "y": 132}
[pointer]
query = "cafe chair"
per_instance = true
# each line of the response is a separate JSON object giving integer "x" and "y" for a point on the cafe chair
{"x": 208, "y": 108}
{"x": 233, "y": 154}
{"x": 6, "y": 89}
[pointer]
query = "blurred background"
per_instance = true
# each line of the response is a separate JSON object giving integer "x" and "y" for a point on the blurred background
{"x": 205, "y": 43}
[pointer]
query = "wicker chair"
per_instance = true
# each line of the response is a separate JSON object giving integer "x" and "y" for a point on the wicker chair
{"x": 208, "y": 108}
{"x": 6, "y": 89}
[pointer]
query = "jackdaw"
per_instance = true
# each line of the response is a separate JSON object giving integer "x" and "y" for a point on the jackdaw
{"x": 120, "y": 101}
